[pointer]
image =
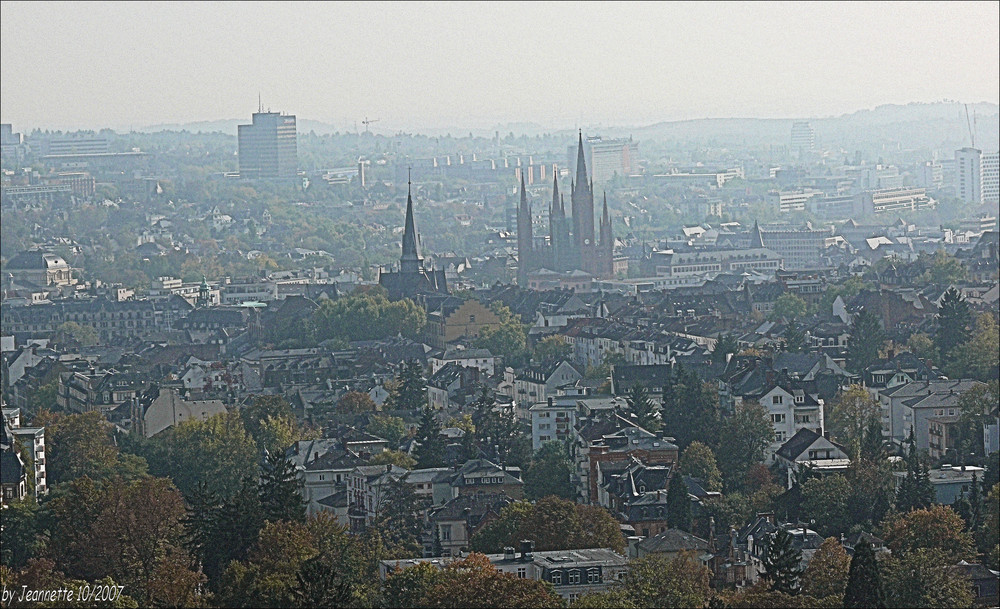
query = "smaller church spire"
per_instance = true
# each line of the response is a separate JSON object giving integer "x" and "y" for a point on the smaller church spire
{"x": 555, "y": 193}
{"x": 581, "y": 165}
{"x": 411, "y": 260}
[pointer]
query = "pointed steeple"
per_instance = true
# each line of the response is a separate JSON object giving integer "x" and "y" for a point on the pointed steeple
{"x": 411, "y": 260}
{"x": 524, "y": 193}
{"x": 555, "y": 191}
{"x": 756, "y": 238}
{"x": 581, "y": 165}
{"x": 605, "y": 223}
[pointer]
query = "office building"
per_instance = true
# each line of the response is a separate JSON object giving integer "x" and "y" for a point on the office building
{"x": 989, "y": 170}
{"x": 606, "y": 158}
{"x": 968, "y": 175}
{"x": 268, "y": 148}
{"x": 803, "y": 136}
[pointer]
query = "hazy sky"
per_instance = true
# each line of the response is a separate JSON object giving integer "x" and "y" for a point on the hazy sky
{"x": 81, "y": 65}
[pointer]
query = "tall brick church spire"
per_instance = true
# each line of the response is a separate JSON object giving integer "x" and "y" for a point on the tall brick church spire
{"x": 525, "y": 238}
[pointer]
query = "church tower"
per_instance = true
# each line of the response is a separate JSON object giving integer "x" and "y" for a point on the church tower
{"x": 411, "y": 261}
{"x": 525, "y": 238}
{"x": 582, "y": 201}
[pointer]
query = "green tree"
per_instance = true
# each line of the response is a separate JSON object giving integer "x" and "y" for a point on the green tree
{"x": 724, "y": 346}
{"x": 825, "y": 500}
{"x": 431, "y": 444}
{"x": 507, "y": 340}
{"x": 78, "y": 445}
{"x": 367, "y": 316}
{"x": 744, "y": 436}
{"x": 280, "y": 496}
{"x": 915, "y": 490}
{"x": 864, "y": 341}
{"x": 864, "y": 580}
{"x": 978, "y": 407}
{"x": 356, "y": 401}
{"x": 85, "y": 336}
{"x": 945, "y": 269}
{"x": 789, "y": 306}
{"x": 553, "y": 349}
{"x": 217, "y": 451}
{"x": 954, "y": 321}
{"x": 393, "y": 457}
{"x": 20, "y": 535}
{"x": 922, "y": 579}
{"x": 827, "y": 572}
{"x": 781, "y": 563}
{"x": 552, "y": 523}
{"x": 550, "y": 473}
{"x": 411, "y": 388}
{"x": 398, "y": 518}
{"x": 390, "y": 428}
{"x": 690, "y": 409}
{"x": 678, "y": 505}
{"x": 660, "y": 581}
{"x": 935, "y": 528}
{"x": 474, "y": 582}
{"x": 795, "y": 338}
{"x": 698, "y": 461}
{"x": 979, "y": 357}
{"x": 921, "y": 345}
{"x": 643, "y": 408}
{"x": 851, "y": 414}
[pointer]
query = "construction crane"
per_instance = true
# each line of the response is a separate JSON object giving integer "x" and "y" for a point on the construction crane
{"x": 972, "y": 131}
{"x": 367, "y": 122}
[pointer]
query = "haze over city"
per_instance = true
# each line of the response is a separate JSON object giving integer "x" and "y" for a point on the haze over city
{"x": 470, "y": 65}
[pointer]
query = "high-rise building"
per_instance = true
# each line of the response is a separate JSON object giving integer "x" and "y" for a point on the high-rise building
{"x": 968, "y": 175}
{"x": 268, "y": 147}
{"x": 803, "y": 136}
{"x": 571, "y": 244}
{"x": 606, "y": 158}
{"x": 989, "y": 169}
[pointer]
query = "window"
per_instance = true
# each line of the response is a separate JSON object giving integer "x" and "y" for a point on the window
{"x": 776, "y": 399}
{"x": 445, "y": 532}
{"x": 593, "y": 576}
{"x": 779, "y": 436}
{"x": 522, "y": 572}
{"x": 777, "y": 418}
{"x": 556, "y": 578}
{"x": 574, "y": 576}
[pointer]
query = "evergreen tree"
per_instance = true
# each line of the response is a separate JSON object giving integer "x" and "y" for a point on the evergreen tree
{"x": 864, "y": 341}
{"x": 725, "y": 345}
{"x": 319, "y": 583}
{"x": 864, "y": 583}
{"x": 781, "y": 563}
{"x": 430, "y": 448}
{"x": 411, "y": 389}
{"x": 915, "y": 491}
{"x": 976, "y": 503}
{"x": 690, "y": 409}
{"x": 233, "y": 530}
{"x": 643, "y": 408}
{"x": 678, "y": 505}
{"x": 550, "y": 473}
{"x": 871, "y": 445}
{"x": 280, "y": 496}
{"x": 954, "y": 319}
{"x": 795, "y": 338}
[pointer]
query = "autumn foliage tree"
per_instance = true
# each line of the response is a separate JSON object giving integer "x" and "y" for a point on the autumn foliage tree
{"x": 935, "y": 528}
{"x": 826, "y": 574}
{"x": 553, "y": 524}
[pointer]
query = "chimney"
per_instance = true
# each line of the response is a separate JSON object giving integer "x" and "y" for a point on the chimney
{"x": 891, "y": 353}
{"x": 826, "y": 434}
{"x": 508, "y": 553}
{"x": 388, "y": 468}
{"x": 527, "y": 548}
{"x": 550, "y": 400}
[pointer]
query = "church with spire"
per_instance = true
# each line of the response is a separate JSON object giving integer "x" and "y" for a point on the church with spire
{"x": 411, "y": 278}
{"x": 571, "y": 243}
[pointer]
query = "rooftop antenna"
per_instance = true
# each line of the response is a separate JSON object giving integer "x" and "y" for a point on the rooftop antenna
{"x": 260, "y": 106}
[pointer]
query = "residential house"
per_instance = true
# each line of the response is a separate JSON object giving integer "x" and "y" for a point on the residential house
{"x": 477, "y": 477}
{"x": 949, "y": 482}
{"x": 453, "y": 524}
{"x": 911, "y": 405}
{"x": 534, "y": 384}
{"x": 807, "y": 449}
{"x": 469, "y": 358}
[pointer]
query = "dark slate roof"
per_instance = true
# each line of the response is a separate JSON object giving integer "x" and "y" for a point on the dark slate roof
{"x": 798, "y": 443}
{"x": 673, "y": 540}
{"x": 335, "y": 500}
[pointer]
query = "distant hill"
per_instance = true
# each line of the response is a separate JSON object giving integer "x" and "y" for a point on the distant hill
{"x": 932, "y": 126}
{"x": 228, "y": 126}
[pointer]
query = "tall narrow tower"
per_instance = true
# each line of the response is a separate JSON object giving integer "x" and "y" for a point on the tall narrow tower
{"x": 525, "y": 238}
{"x": 582, "y": 201}
{"x": 411, "y": 261}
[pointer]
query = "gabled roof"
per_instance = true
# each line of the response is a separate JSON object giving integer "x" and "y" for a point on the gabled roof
{"x": 673, "y": 540}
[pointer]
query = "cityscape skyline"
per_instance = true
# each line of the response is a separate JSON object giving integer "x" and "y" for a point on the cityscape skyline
{"x": 395, "y": 63}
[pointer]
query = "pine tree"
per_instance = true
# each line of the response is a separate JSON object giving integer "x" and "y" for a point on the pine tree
{"x": 411, "y": 391}
{"x": 795, "y": 338}
{"x": 678, "y": 504}
{"x": 864, "y": 341}
{"x": 864, "y": 583}
{"x": 915, "y": 490}
{"x": 643, "y": 408}
{"x": 280, "y": 496}
{"x": 871, "y": 446}
{"x": 954, "y": 319}
{"x": 430, "y": 448}
{"x": 781, "y": 563}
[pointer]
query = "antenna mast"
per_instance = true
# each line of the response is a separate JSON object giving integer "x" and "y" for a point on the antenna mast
{"x": 972, "y": 132}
